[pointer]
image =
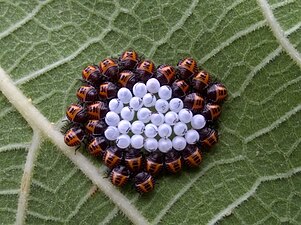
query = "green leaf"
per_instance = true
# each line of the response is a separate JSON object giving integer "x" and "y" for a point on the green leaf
{"x": 252, "y": 176}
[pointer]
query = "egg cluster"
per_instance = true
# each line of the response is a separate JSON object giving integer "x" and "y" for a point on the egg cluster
{"x": 158, "y": 118}
{"x": 141, "y": 120}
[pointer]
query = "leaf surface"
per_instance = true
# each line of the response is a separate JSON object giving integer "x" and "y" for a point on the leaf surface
{"x": 251, "y": 177}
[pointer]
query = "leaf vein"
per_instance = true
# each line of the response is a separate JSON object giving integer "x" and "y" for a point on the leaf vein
{"x": 14, "y": 146}
{"x": 25, "y": 20}
{"x": 229, "y": 209}
{"x": 26, "y": 178}
{"x": 176, "y": 27}
{"x": 36, "y": 119}
{"x": 189, "y": 185}
{"x": 274, "y": 125}
{"x": 278, "y": 32}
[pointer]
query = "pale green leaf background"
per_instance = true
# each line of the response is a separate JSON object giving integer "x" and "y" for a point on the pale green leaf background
{"x": 252, "y": 176}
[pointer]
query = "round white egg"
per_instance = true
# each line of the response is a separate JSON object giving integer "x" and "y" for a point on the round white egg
{"x": 124, "y": 126}
{"x": 136, "y": 103}
{"x": 198, "y": 121}
{"x": 150, "y": 144}
{"x": 176, "y": 105}
{"x": 150, "y": 130}
{"x": 137, "y": 141}
{"x": 112, "y": 119}
{"x": 178, "y": 143}
{"x": 164, "y": 130}
{"x": 139, "y": 89}
{"x": 165, "y": 145}
{"x": 192, "y": 136}
{"x": 165, "y": 92}
{"x": 123, "y": 141}
{"x": 185, "y": 115}
{"x": 161, "y": 106}
{"x": 153, "y": 85}
{"x": 180, "y": 129}
{"x": 115, "y": 105}
{"x": 157, "y": 119}
{"x": 144, "y": 115}
{"x": 171, "y": 118}
{"x": 137, "y": 127}
{"x": 124, "y": 95}
{"x": 127, "y": 113}
{"x": 111, "y": 133}
{"x": 149, "y": 100}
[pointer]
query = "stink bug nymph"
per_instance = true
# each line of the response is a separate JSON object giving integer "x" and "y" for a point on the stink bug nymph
{"x": 112, "y": 156}
{"x": 133, "y": 160}
{"x": 128, "y": 60}
{"x": 96, "y": 127}
{"x": 145, "y": 70}
{"x": 194, "y": 102}
{"x": 173, "y": 161}
{"x": 109, "y": 68}
{"x": 187, "y": 68}
{"x": 144, "y": 182}
{"x": 127, "y": 79}
{"x": 74, "y": 136}
{"x": 211, "y": 111}
{"x": 179, "y": 88}
{"x": 154, "y": 163}
{"x": 87, "y": 93}
{"x": 91, "y": 74}
{"x": 119, "y": 176}
{"x": 201, "y": 80}
{"x": 165, "y": 74}
{"x": 208, "y": 137}
{"x": 97, "y": 110}
{"x": 192, "y": 156}
{"x": 97, "y": 146}
{"x": 107, "y": 90}
{"x": 76, "y": 113}
{"x": 216, "y": 93}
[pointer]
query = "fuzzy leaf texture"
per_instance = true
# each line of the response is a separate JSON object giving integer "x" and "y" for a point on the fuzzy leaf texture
{"x": 252, "y": 176}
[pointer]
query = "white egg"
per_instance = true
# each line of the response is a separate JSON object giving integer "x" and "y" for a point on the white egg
{"x": 112, "y": 118}
{"x": 124, "y": 126}
{"x": 151, "y": 130}
{"x": 161, "y": 106}
{"x": 137, "y": 141}
{"x": 111, "y": 133}
{"x": 153, "y": 85}
{"x": 127, "y": 113}
{"x": 165, "y": 92}
{"x": 180, "y": 129}
{"x": 144, "y": 115}
{"x": 137, "y": 127}
{"x": 192, "y": 136}
{"x": 165, "y": 145}
{"x": 150, "y": 144}
{"x": 149, "y": 100}
{"x": 185, "y": 115}
{"x": 171, "y": 118}
{"x": 139, "y": 89}
{"x": 157, "y": 119}
{"x": 123, "y": 141}
{"x": 136, "y": 103}
{"x": 164, "y": 130}
{"x": 198, "y": 121}
{"x": 176, "y": 105}
{"x": 178, "y": 143}
{"x": 124, "y": 95}
{"x": 115, "y": 105}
